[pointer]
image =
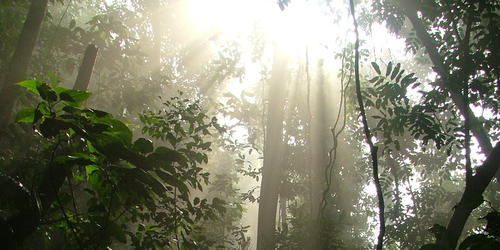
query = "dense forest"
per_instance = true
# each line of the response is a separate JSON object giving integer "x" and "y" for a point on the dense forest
{"x": 237, "y": 124}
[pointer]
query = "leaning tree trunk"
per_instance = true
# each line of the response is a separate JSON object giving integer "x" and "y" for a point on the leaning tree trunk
{"x": 472, "y": 196}
{"x": 273, "y": 148}
{"x": 471, "y": 199}
{"x": 21, "y": 59}
{"x": 85, "y": 72}
{"x": 431, "y": 47}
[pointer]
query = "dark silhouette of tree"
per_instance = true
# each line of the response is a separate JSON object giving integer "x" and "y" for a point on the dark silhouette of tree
{"x": 20, "y": 60}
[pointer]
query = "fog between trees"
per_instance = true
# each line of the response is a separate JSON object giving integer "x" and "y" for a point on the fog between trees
{"x": 220, "y": 124}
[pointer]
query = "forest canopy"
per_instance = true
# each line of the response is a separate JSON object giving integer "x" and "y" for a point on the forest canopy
{"x": 235, "y": 124}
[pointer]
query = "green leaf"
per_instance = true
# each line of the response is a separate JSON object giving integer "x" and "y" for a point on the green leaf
{"x": 47, "y": 93}
{"x": 30, "y": 85}
{"x": 66, "y": 97}
{"x": 151, "y": 181}
{"x": 51, "y": 127}
{"x": 74, "y": 96}
{"x": 172, "y": 181}
{"x": 118, "y": 130}
{"x": 164, "y": 154}
{"x": 374, "y": 79}
{"x": 40, "y": 109}
{"x": 399, "y": 75}
{"x": 376, "y": 67}
{"x": 389, "y": 69}
{"x": 26, "y": 115}
{"x": 90, "y": 169}
{"x": 395, "y": 71}
{"x": 408, "y": 79}
{"x": 143, "y": 145}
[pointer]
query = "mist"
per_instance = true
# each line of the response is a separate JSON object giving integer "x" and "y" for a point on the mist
{"x": 232, "y": 124}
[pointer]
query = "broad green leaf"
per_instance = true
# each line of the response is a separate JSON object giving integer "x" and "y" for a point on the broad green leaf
{"x": 143, "y": 145}
{"x": 167, "y": 155}
{"x": 30, "y": 85}
{"x": 172, "y": 181}
{"x": 151, "y": 181}
{"x": 25, "y": 115}
{"x": 65, "y": 97}
{"x": 47, "y": 93}
{"x": 90, "y": 169}
{"x": 75, "y": 96}
{"x": 50, "y": 127}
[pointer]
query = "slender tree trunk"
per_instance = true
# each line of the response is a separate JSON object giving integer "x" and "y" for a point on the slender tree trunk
{"x": 373, "y": 148}
{"x": 273, "y": 148}
{"x": 20, "y": 60}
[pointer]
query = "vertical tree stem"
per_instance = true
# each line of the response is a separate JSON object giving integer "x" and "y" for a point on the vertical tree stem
{"x": 373, "y": 149}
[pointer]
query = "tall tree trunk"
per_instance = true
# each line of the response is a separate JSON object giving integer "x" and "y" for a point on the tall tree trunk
{"x": 273, "y": 149}
{"x": 21, "y": 59}
{"x": 319, "y": 161}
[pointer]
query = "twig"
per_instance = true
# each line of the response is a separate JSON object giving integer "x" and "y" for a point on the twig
{"x": 66, "y": 217}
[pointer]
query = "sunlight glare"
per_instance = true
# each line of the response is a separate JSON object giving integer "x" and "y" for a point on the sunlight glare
{"x": 299, "y": 25}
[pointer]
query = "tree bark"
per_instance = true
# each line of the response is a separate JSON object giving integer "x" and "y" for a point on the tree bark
{"x": 410, "y": 10}
{"x": 85, "y": 72}
{"x": 273, "y": 148}
{"x": 471, "y": 198}
{"x": 20, "y": 60}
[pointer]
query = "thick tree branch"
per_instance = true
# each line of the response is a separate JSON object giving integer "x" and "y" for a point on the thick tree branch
{"x": 471, "y": 198}
{"x": 446, "y": 82}
{"x": 373, "y": 148}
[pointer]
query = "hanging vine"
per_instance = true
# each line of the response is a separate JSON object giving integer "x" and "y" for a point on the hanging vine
{"x": 373, "y": 148}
